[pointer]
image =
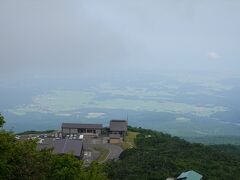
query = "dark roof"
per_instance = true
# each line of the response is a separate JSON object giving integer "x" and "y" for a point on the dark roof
{"x": 67, "y": 146}
{"x": 64, "y": 146}
{"x": 78, "y": 125}
{"x": 114, "y": 136}
{"x": 118, "y": 125}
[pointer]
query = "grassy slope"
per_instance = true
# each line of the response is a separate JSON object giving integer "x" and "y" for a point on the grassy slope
{"x": 129, "y": 140}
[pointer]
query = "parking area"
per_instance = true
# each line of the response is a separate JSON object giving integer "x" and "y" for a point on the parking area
{"x": 94, "y": 148}
{"x": 91, "y": 152}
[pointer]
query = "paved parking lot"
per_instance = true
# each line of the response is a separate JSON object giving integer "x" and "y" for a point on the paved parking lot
{"x": 89, "y": 145}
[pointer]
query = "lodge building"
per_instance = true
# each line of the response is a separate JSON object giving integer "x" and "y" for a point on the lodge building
{"x": 77, "y": 128}
{"x": 71, "y": 142}
{"x": 117, "y": 130}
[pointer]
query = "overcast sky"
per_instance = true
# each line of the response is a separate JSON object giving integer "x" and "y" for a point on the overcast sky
{"x": 71, "y": 37}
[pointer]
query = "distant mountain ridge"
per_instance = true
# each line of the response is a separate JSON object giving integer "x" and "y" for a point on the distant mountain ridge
{"x": 212, "y": 140}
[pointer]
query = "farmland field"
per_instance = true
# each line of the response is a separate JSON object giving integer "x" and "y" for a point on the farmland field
{"x": 181, "y": 105}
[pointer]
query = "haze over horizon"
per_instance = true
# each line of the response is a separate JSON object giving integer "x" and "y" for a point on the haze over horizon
{"x": 100, "y": 38}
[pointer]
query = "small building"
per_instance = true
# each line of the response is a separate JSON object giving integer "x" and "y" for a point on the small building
{"x": 190, "y": 175}
{"x": 118, "y": 127}
{"x": 84, "y": 129}
{"x": 64, "y": 146}
{"x": 117, "y": 131}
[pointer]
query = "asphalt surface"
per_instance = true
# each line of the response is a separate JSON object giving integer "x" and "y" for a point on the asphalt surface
{"x": 91, "y": 154}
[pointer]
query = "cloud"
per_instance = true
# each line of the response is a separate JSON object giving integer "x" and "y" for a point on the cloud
{"x": 213, "y": 55}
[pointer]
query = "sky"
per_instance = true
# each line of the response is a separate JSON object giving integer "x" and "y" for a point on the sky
{"x": 60, "y": 38}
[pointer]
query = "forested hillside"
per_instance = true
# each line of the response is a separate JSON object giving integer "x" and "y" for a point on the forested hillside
{"x": 158, "y": 156}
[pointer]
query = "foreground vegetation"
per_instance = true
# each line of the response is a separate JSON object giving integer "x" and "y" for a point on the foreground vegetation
{"x": 21, "y": 160}
{"x": 158, "y": 156}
